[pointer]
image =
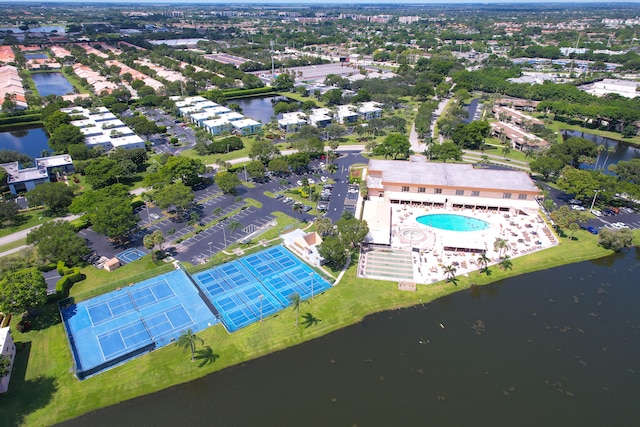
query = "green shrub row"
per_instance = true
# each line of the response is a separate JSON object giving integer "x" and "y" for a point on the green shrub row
{"x": 234, "y": 93}
{"x": 28, "y": 118}
{"x": 71, "y": 276}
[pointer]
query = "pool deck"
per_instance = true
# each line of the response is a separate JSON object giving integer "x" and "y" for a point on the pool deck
{"x": 431, "y": 248}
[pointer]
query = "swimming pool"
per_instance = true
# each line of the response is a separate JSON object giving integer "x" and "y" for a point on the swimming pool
{"x": 453, "y": 222}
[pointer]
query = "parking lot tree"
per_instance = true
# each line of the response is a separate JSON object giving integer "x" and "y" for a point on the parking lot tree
{"x": 334, "y": 251}
{"x": 22, "y": 290}
{"x": 63, "y": 136}
{"x": 298, "y": 162}
{"x": 177, "y": 195}
{"x": 150, "y": 241}
{"x": 54, "y": 196}
{"x": 9, "y": 211}
{"x": 279, "y": 166}
{"x": 114, "y": 220}
{"x": 324, "y": 226}
{"x": 227, "y": 182}
{"x": 564, "y": 217}
{"x": 616, "y": 240}
{"x": 263, "y": 151}
{"x": 182, "y": 168}
{"x": 394, "y": 145}
{"x": 86, "y": 202}
{"x": 579, "y": 182}
{"x": 256, "y": 170}
{"x": 58, "y": 241}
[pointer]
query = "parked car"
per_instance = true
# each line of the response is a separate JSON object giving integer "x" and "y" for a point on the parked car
{"x": 608, "y": 212}
{"x": 577, "y": 207}
{"x": 575, "y": 202}
{"x": 592, "y": 230}
{"x": 278, "y": 196}
{"x": 596, "y": 212}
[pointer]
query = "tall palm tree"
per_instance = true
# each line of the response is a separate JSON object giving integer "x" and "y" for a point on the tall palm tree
{"x": 483, "y": 261}
{"x": 234, "y": 226}
{"x": 297, "y": 208}
{"x": 600, "y": 149}
{"x": 189, "y": 340}
{"x": 500, "y": 245}
{"x": 332, "y": 168}
{"x": 450, "y": 272}
{"x": 610, "y": 151}
{"x": 295, "y": 303}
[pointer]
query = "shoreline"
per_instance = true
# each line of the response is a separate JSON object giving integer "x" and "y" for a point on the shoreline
{"x": 346, "y": 304}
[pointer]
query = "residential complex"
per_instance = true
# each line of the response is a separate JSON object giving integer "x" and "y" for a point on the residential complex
{"x": 45, "y": 169}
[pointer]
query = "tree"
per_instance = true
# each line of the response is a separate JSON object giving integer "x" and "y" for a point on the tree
{"x": 295, "y": 303}
{"x": 283, "y": 82}
{"x": 332, "y": 97}
{"x": 500, "y": 245}
{"x": 234, "y": 226}
{"x": 506, "y": 263}
{"x": 55, "y": 196}
{"x": 547, "y": 166}
{"x": 114, "y": 220}
{"x": 63, "y": 136}
{"x": 615, "y": 240}
{"x": 279, "y": 166}
{"x": 227, "y": 182}
{"x": 256, "y": 170}
{"x": 8, "y": 212}
{"x": 445, "y": 151}
{"x": 22, "y": 290}
{"x": 58, "y": 241}
{"x": 263, "y": 151}
{"x": 324, "y": 226}
{"x": 610, "y": 150}
{"x": 395, "y": 145}
{"x": 150, "y": 241}
{"x": 101, "y": 172}
{"x": 177, "y": 195}
{"x": 54, "y": 120}
{"x": 483, "y": 262}
{"x": 5, "y": 365}
{"x": 627, "y": 170}
{"x": 188, "y": 341}
{"x": 186, "y": 169}
{"x": 352, "y": 231}
{"x": 333, "y": 251}
{"x": 450, "y": 273}
{"x": 573, "y": 227}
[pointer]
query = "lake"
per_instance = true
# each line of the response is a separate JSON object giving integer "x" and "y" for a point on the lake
{"x": 29, "y": 141}
{"x": 52, "y": 84}
{"x": 35, "y": 55}
{"x": 555, "y": 347}
{"x": 624, "y": 151}
{"x": 260, "y": 109}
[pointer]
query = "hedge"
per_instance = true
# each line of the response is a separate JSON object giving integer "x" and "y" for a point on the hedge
{"x": 61, "y": 268}
{"x": 234, "y": 93}
{"x": 27, "y": 118}
{"x": 72, "y": 276}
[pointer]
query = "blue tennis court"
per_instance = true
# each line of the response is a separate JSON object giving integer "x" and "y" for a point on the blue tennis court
{"x": 130, "y": 255}
{"x": 112, "y": 328}
{"x": 258, "y": 285}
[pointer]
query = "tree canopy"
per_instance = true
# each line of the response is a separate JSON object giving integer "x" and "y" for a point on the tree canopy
{"x": 55, "y": 196}
{"x": 58, "y": 241}
{"x": 22, "y": 290}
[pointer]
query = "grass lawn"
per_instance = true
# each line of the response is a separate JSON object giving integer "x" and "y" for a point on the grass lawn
{"x": 27, "y": 220}
{"x": 14, "y": 244}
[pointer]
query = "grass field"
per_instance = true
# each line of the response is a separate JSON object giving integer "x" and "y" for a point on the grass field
{"x": 44, "y": 391}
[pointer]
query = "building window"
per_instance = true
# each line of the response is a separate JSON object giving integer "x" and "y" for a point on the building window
{"x": 405, "y": 189}
{"x": 475, "y": 194}
{"x": 437, "y": 191}
{"x": 421, "y": 190}
{"x": 506, "y": 195}
{"x": 522, "y": 197}
{"x": 459, "y": 192}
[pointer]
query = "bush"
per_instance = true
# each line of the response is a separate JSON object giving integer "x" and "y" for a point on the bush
{"x": 61, "y": 268}
{"x": 24, "y": 326}
{"x": 80, "y": 223}
{"x": 72, "y": 276}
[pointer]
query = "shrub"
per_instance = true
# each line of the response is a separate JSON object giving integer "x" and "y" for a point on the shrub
{"x": 61, "y": 268}
{"x": 71, "y": 276}
{"x": 24, "y": 326}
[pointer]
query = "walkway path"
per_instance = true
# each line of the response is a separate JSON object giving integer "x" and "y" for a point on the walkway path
{"x": 22, "y": 234}
{"x": 474, "y": 156}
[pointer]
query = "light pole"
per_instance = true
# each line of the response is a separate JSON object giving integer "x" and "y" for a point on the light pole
{"x": 593, "y": 202}
{"x": 209, "y": 251}
{"x": 148, "y": 214}
{"x": 224, "y": 235}
{"x": 261, "y": 308}
{"x": 245, "y": 174}
{"x": 311, "y": 275}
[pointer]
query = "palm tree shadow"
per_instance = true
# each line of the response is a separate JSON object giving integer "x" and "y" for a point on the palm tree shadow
{"x": 206, "y": 356}
{"x": 310, "y": 320}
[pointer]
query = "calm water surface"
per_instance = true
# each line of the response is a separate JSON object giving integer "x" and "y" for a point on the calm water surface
{"x": 624, "y": 151}
{"x": 260, "y": 109}
{"x": 52, "y": 84}
{"x": 557, "y": 347}
{"x": 30, "y": 141}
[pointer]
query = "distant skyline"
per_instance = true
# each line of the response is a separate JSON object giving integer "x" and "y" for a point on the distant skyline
{"x": 324, "y": 3}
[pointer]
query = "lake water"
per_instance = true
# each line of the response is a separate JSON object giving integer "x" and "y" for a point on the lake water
{"x": 30, "y": 141}
{"x": 52, "y": 84}
{"x": 624, "y": 151}
{"x": 44, "y": 29}
{"x": 555, "y": 347}
{"x": 35, "y": 56}
{"x": 260, "y": 109}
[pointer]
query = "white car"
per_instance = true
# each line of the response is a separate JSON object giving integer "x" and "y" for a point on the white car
{"x": 596, "y": 213}
{"x": 311, "y": 181}
{"x": 323, "y": 178}
{"x": 577, "y": 207}
{"x": 299, "y": 183}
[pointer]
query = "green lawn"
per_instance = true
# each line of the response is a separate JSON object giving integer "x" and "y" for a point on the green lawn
{"x": 26, "y": 220}
{"x": 43, "y": 391}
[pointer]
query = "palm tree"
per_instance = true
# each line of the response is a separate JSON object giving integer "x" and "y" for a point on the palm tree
{"x": 500, "y": 245}
{"x": 450, "y": 272}
{"x": 332, "y": 168}
{"x": 188, "y": 340}
{"x": 600, "y": 149}
{"x": 297, "y": 208}
{"x": 483, "y": 261}
{"x": 505, "y": 263}
{"x": 610, "y": 151}
{"x": 217, "y": 211}
{"x": 295, "y": 303}
{"x": 324, "y": 226}
{"x": 573, "y": 227}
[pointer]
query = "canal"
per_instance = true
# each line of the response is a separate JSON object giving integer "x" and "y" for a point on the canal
{"x": 555, "y": 347}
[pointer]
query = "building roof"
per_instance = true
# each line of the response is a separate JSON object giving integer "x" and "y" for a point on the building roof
{"x": 434, "y": 174}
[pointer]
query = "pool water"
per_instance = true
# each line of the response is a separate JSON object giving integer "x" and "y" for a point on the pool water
{"x": 453, "y": 222}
